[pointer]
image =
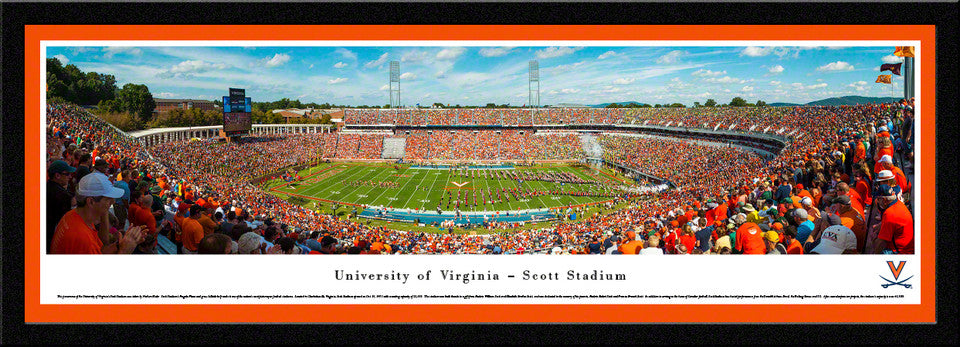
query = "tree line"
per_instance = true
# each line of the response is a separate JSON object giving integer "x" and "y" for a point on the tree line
{"x": 735, "y": 102}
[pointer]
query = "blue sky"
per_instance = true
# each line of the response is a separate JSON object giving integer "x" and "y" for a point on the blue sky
{"x": 478, "y": 75}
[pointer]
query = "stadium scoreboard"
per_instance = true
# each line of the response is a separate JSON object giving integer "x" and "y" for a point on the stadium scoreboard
{"x": 236, "y": 112}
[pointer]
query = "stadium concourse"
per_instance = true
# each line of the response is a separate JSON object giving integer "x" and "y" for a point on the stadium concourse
{"x": 840, "y": 184}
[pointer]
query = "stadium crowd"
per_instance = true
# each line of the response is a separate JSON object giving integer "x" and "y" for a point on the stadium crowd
{"x": 838, "y": 187}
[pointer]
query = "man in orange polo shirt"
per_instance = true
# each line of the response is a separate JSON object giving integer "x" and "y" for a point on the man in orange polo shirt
{"x": 192, "y": 230}
{"x": 75, "y": 233}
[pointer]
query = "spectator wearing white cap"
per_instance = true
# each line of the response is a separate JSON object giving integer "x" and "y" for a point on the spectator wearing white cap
{"x": 837, "y": 239}
{"x": 804, "y": 225}
{"x": 886, "y": 164}
{"x": 76, "y": 234}
{"x": 813, "y": 213}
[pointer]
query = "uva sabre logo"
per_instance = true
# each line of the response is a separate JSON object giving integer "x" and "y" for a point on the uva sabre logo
{"x": 896, "y": 270}
{"x": 458, "y": 184}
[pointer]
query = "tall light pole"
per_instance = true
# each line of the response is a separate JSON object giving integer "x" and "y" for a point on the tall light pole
{"x": 394, "y": 84}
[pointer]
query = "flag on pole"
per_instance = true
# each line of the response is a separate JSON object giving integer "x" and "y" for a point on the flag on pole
{"x": 884, "y": 79}
{"x": 895, "y": 68}
{"x": 904, "y": 51}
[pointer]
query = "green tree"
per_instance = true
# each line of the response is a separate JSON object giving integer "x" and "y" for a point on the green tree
{"x": 760, "y": 103}
{"x": 677, "y": 104}
{"x": 710, "y": 103}
{"x": 696, "y": 104}
{"x": 738, "y": 102}
{"x": 136, "y": 99}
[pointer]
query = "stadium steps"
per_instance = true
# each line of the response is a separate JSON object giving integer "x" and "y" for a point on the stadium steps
{"x": 590, "y": 146}
{"x": 394, "y": 147}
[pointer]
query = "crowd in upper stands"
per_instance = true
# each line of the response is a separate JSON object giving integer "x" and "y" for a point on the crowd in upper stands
{"x": 840, "y": 186}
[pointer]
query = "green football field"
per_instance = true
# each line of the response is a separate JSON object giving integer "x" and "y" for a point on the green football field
{"x": 382, "y": 184}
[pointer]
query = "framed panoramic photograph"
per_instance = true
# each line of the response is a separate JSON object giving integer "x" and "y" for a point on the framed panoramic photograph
{"x": 488, "y": 168}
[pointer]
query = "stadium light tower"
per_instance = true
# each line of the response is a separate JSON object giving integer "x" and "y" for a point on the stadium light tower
{"x": 533, "y": 94}
{"x": 394, "y": 79}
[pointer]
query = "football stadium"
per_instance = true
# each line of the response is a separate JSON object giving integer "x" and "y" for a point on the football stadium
{"x": 535, "y": 179}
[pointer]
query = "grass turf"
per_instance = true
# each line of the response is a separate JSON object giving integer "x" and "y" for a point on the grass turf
{"x": 424, "y": 188}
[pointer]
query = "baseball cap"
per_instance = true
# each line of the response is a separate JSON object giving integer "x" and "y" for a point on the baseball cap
{"x": 98, "y": 185}
{"x": 631, "y": 235}
{"x": 882, "y": 129}
{"x": 835, "y": 239}
{"x": 771, "y": 236}
{"x": 886, "y": 158}
{"x": 884, "y": 175}
{"x": 800, "y": 213}
{"x": 843, "y": 200}
{"x": 156, "y": 189}
{"x": 60, "y": 166}
{"x": 248, "y": 242}
{"x": 777, "y": 226}
{"x": 806, "y": 201}
{"x": 748, "y": 208}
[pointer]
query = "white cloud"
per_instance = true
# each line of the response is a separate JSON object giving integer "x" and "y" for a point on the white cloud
{"x": 109, "y": 52}
{"x": 754, "y": 51}
{"x": 609, "y": 54}
{"x": 408, "y": 76}
{"x": 747, "y": 88}
{"x": 495, "y": 52}
{"x": 724, "y": 79}
{"x": 450, "y": 53}
{"x": 860, "y": 86}
{"x": 559, "y": 69}
{"x": 708, "y": 73}
{"x": 623, "y": 80}
{"x": 311, "y": 66}
{"x": 337, "y": 80}
{"x": 378, "y": 62}
{"x": 189, "y": 67}
{"x": 816, "y": 86}
{"x": 776, "y": 70}
{"x": 166, "y": 95}
{"x": 892, "y": 59}
{"x": 553, "y": 52}
{"x": 836, "y": 66}
{"x": 440, "y": 74}
{"x": 338, "y": 65}
{"x": 415, "y": 56}
{"x": 385, "y": 87}
{"x": 565, "y": 91}
{"x": 774, "y": 83}
{"x": 62, "y": 58}
{"x": 346, "y": 53}
{"x": 277, "y": 60}
{"x": 670, "y": 57}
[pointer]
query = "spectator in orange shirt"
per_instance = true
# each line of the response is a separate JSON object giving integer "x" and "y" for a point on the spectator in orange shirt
{"x": 632, "y": 246}
{"x": 750, "y": 239}
{"x": 192, "y": 230}
{"x": 886, "y": 163}
{"x": 790, "y": 239}
{"x": 76, "y": 234}
{"x": 852, "y": 218}
{"x": 209, "y": 226}
{"x": 139, "y": 215}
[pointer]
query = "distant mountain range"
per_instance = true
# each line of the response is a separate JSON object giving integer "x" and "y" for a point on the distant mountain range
{"x": 843, "y": 100}
{"x": 619, "y": 103}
